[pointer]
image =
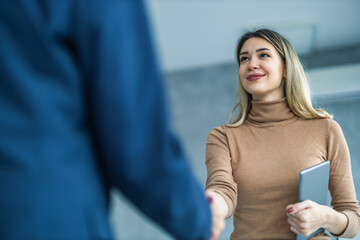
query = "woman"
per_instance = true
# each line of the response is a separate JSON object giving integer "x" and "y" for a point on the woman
{"x": 253, "y": 163}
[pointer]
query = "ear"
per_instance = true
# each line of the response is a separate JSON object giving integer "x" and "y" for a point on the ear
{"x": 285, "y": 75}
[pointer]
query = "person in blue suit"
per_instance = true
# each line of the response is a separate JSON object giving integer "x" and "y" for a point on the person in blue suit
{"x": 82, "y": 111}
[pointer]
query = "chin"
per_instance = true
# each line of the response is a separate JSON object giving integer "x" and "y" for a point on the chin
{"x": 257, "y": 93}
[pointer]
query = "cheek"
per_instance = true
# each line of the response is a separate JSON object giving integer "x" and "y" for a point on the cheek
{"x": 242, "y": 72}
{"x": 281, "y": 70}
{"x": 242, "y": 77}
{"x": 276, "y": 73}
{"x": 245, "y": 85}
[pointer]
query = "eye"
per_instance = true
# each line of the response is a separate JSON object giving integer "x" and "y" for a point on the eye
{"x": 264, "y": 55}
{"x": 243, "y": 59}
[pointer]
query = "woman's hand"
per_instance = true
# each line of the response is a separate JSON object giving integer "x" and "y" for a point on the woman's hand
{"x": 306, "y": 217}
{"x": 219, "y": 210}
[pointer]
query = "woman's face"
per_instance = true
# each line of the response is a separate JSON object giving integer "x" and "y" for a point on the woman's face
{"x": 261, "y": 70}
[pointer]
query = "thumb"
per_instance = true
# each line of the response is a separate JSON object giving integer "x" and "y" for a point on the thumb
{"x": 210, "y": 195}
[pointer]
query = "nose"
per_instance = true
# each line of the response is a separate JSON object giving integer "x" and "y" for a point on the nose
{"x": 253, "y": 63}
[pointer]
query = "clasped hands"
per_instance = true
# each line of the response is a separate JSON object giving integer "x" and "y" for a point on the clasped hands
{"x": 304, "y": 217}
{"x": 219, "y": 211}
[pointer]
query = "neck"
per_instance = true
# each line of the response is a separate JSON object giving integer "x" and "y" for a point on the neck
{"x": 268, "y": 98}
{"x": 270, "y": 112}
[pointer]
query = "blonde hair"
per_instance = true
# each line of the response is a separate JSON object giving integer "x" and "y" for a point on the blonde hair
{"x": 296, "y": 89}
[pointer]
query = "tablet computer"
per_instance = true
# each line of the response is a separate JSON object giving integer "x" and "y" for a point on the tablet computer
{"x": 314, "y": 184}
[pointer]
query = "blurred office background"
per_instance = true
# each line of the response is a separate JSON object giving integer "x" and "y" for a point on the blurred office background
{"x": 196, "y": 40}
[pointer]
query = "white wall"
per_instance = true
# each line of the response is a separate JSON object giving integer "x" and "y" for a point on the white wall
{"x": 195, "y": 33}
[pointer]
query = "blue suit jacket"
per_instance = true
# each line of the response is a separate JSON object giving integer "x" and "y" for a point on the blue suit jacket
{"x": 81, "y": 111}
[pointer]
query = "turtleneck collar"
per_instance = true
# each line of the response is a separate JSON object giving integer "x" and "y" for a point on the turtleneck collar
{"x": 270, "y": 113}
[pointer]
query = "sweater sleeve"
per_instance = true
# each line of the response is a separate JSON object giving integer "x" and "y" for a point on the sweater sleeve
{"x": 219, "y": 171}
{"x": 341, "y": 183}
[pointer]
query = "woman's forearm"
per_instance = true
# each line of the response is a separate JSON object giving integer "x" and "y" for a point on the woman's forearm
{"x": 335, "y": 222}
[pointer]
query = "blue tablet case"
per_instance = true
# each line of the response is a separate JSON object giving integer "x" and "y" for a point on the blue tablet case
{"x": 314, "y": 184}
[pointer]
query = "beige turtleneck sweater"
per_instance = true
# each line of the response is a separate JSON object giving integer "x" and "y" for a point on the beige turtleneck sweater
{"x": 255, "y": 168}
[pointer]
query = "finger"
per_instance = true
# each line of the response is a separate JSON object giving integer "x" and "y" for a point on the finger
{"x": 301, "y": 216}
{"x": 215, "y": 234}
{"x": 294, "y": 230}
{"x": 293, "y": 222}
{"x": 291, "y": 215}
{"x": 219, "y": 228}
{"x": 299, "y": 228}
{"x": 297, "y": 207}
{"x": 209, "y": 195}
{"x": 294, "y": 215}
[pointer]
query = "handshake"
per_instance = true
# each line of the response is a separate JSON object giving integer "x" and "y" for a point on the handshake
{"x": 219, "y": 210}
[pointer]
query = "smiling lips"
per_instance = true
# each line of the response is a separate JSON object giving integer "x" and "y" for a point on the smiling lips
{"x": 254, "y": 77}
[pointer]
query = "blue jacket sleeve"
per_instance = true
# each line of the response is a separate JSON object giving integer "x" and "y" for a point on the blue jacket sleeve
{"x": 140, "y": 155}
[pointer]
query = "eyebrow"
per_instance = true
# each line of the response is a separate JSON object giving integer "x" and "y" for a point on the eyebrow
{"x": 257, "y": 50}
